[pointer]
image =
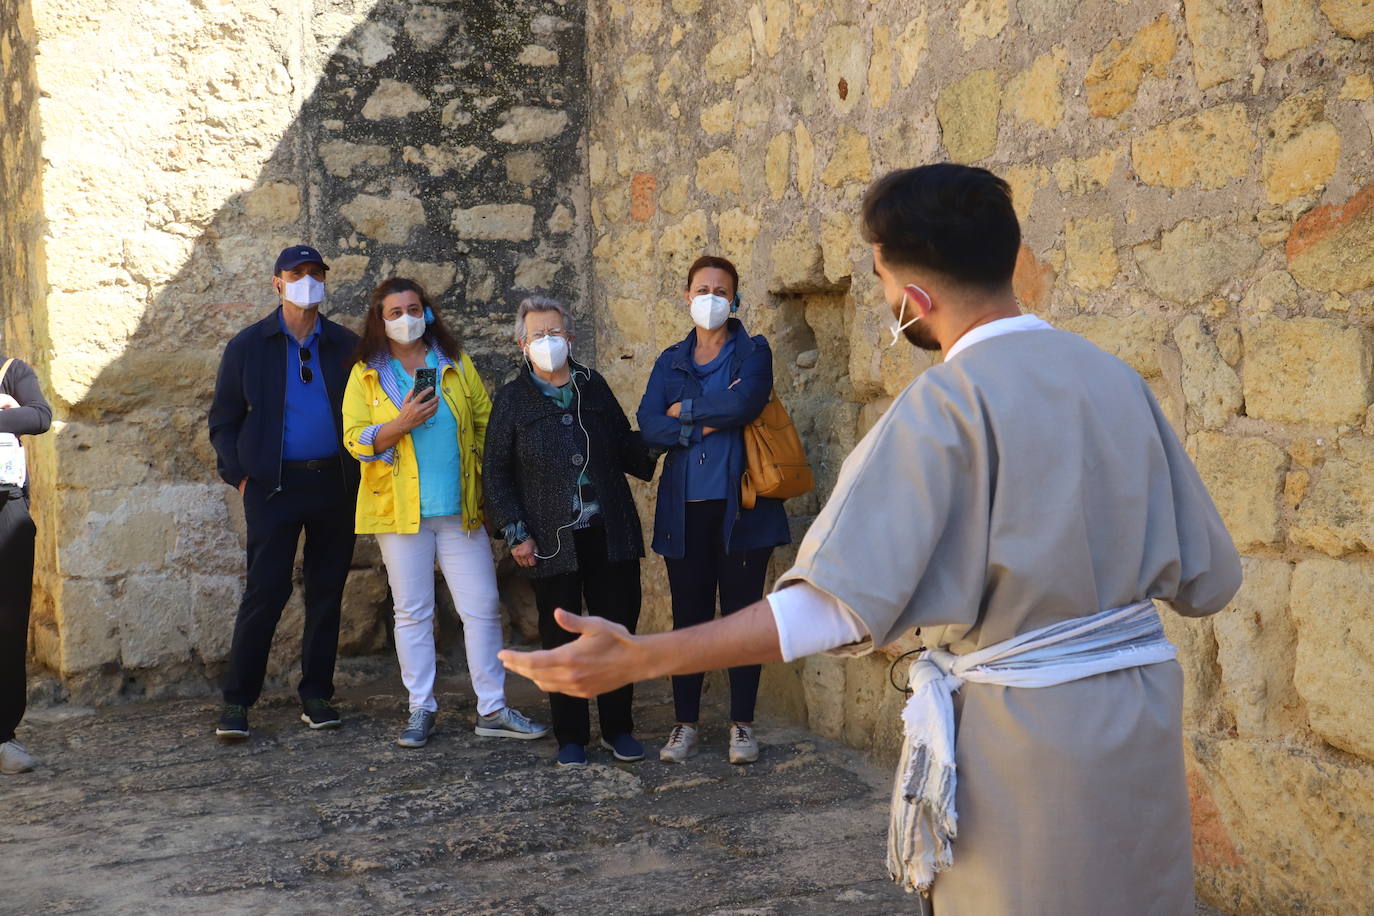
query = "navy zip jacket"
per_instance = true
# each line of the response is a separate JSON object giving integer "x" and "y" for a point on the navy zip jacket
{"x": 673, "y": 380}
{"x": 247, "y": 415}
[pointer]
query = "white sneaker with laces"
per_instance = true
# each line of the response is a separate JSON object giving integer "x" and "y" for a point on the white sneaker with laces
{"x": 14, "y": 758}
{"x": 682, "y": 743}
{"x": 744, "y": 747}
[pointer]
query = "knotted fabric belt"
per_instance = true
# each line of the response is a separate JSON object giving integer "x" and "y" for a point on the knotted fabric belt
{"x": 923, "y": 821}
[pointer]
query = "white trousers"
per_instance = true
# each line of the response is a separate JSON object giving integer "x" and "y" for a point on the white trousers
{"x": 471, "y": 576}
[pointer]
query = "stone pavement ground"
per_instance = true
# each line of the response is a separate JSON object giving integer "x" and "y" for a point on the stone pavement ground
{"x": 137, "y": 809}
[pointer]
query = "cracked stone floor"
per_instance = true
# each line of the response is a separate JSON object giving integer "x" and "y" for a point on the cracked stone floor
{"x": 137, "y": 809}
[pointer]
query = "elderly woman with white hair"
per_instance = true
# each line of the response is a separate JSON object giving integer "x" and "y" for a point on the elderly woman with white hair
{"x": 557, "y": 452}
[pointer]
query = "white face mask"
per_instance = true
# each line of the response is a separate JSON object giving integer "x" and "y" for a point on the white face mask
{"x": 307, "y": 292}
{"x": 709, "y": 312}
{"x": 405, "y": 329}
{"x": 897, "y": 327}
{"x": 549, "y": 353}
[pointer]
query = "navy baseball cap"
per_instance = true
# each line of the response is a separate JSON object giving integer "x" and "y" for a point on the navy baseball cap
{"x": 297, "y": 255}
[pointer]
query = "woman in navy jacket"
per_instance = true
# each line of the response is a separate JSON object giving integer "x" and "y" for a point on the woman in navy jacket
{"x": 701, "y": 394}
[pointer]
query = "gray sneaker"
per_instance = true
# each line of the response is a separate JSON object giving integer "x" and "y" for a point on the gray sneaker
{"x": 14, "y": 758}
{"x": 744, "y": 747}
{"x": 509, "y": 722}
{"x": 418, "y": 729}
{"x": 682, "y": 743}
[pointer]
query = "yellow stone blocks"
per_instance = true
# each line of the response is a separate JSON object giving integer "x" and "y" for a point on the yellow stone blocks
{"x": 1114, "y": 77}
{"x": 1208, "y": 149}
{"x": 1301, "y": 149}
{"x": 851, "y": 160}
{"x": 1244, "y": 474}
{"x": 718, "y": 172}
{"x": 1308, "y": 370}
{"x": 1090, "y": 252}
{"x": 1036, "y": 95}
{"x": 968, "y": 111}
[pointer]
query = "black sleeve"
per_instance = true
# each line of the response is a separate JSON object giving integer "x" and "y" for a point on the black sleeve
{"x": 227, "y": 411}
{"x": 501, "y": 493}
{"x": 33, "y": 415}
{"x": 637, "y": 457}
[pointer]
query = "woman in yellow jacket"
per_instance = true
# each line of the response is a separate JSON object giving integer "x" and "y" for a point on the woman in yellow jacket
{"x": 421, "y": 491}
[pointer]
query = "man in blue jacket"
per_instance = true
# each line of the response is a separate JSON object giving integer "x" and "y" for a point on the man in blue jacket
{"x": 276, "y": 425}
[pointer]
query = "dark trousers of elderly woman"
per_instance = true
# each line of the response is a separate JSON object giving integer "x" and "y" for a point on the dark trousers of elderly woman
{"x": 704, "y": 570}
{"x": 609, "y": 590}
{"x": 16, "y": 589}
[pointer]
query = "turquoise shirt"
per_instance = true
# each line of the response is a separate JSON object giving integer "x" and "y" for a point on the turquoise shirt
{"x": 436, "y": 451}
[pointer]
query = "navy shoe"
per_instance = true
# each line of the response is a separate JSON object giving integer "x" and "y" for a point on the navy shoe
{"x": 319, "y": 714}
{"x": 572, "y": 755}
{"x": 624, "y": 747}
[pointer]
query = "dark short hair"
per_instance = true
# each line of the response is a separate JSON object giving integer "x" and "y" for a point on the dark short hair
{"x": 954, "y": 220}
{"x": 710, "y": 260}
{"x": 373, "y": 340}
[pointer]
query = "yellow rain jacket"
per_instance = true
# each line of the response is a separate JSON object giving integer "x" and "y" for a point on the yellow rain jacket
{"x": 389, "y": 495}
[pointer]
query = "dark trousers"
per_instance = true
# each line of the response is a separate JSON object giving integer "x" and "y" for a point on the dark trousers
{"x": 320, "y": 504}
{"x": 610, "y": 590}
{"x": 16, "y": 592}
{"x": 705, "y": 570}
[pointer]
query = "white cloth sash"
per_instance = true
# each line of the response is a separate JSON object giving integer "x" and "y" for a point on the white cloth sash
{"x": 923, "y": 820}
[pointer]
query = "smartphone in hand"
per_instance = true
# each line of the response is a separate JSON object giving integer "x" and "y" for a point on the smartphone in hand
{"x": 425, "y": 377}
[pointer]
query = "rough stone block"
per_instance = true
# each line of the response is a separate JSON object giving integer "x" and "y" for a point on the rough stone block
{"x": 1114, "y": 76}
{"x": 1209, "y": 149}
{"x": 1090, "y": 252}
{"x": 1307, "y": 370}
{"x": 1133, "y": 339}
{"x": 1288, "y": 26}
{"x": 495, "y": 222}
{"x": 525, "y": 124}
{"x": 537, "y": 56}
{"x": 718, "y": 118}
{"x": 273, "y": 202}
{"x": 435, "y": 278}
{"x": 1193, "y": 259}
{"x": 911, "y": 48}
{"x": 851, "y": 160}
{"x": 393, "y": 99}
{"x": 1336, "y": 511}
{"x": 444, "y": 160}
{"x": 1091, "y": 173}
{"x": 1335, "y": 653}
{"x": 731, "y": 58}
{"x": 1035, "y": 95}
{"x": 1352, "y": 18}
{"x": 980, "y": 19}
{"x": 1219, "y": 31}
{"x": 389, "y": 220}
{"x": 880, "y": 68}
{"x": 340, "y": 157}
{"x": 968, "y": 111}
{"x": 846, "y": 66}
{"x": 798, "y": 263}
{"x": 1255, "y": 639}
{"x": 88, "y": 629}
{"x": 1032, "y": 281}
{"x": 737, "y": 230}
{"x": 1211, "y": 387}
{"x": 536, "y": 274}
{"x": 1301, "y": 149}
{"x": 361, "y": 613}
{"x": 1244, "y": 474}
{"x": 1332, "y": 247}
{"x": 718, "y": 172}
{"x": 777, "y": 165}
{"x": 681, "y": 244}
{"x": 154, "y": 614}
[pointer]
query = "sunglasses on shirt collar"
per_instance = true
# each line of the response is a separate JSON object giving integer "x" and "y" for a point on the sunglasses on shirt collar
{"x": 307, "y": 374}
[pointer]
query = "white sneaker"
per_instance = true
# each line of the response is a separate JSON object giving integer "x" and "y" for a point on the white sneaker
{"x": 744, "y": 747}
{"x": 682, "y": 743}
{"x": 14, "y": 758}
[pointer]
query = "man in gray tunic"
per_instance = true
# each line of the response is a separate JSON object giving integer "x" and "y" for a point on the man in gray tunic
{"x": 1020, "y": 503}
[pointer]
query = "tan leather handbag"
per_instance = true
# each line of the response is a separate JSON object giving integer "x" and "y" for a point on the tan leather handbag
{"x": 775, "y": 460}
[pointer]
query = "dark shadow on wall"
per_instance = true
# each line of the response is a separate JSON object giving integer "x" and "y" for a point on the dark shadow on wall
{"x": 440, "y": 141}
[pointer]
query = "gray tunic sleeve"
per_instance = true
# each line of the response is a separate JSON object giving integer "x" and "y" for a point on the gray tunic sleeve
{"x": 902, "y": 541}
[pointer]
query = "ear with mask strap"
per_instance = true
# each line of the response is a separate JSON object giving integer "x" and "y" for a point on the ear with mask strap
{"x": 734, "y": 304}
{"x": 429, "y": 315}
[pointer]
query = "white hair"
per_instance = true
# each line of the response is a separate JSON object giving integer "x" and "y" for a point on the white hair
{"x": 541, "y": 304}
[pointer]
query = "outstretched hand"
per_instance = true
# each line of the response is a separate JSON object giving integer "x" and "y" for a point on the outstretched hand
{"x": 603, "y": 657}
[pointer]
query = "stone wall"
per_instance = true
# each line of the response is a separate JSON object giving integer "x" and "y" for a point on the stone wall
{"x": 1196, "y": 182}
{"x": 440, "y": 141}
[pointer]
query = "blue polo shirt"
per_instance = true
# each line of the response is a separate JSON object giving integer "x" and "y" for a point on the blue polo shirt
{"x": 308, "y": 430}
{"x": 708, "y": 463}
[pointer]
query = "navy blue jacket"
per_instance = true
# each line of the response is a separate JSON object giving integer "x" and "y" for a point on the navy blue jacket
{"x": 673, "y": 380}
{"x": 247, "y": 415}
